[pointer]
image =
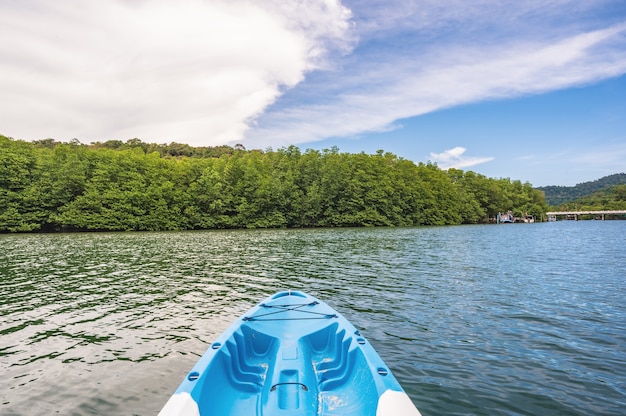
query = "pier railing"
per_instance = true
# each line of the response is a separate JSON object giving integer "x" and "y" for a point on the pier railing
{"x": 576, "y": 214}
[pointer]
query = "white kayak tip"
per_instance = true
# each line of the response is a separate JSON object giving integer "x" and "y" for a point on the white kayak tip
{"x": 396, "y": 403}
{"x": 180, "y": 404}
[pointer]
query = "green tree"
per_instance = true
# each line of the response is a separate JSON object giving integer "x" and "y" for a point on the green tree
{"x": 19, "y": 172}
{"x": 115, "y": 185}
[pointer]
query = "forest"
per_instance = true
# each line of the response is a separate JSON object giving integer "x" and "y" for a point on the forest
{"x": 48, "y": 186}
{"x": 609, "y": 198}
{"x": 565, "y": 195}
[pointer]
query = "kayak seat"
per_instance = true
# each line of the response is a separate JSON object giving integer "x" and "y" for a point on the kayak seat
{"x": 323, "y": 340}
{"x": 238, "y": 369}
{"x": 339, "y": 375}
{"x": 248, "y": 353}
{"x": 333, "y": 355}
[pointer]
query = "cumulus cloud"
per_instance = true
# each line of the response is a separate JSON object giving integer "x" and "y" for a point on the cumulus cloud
{"x": 193, "y": 70}
{"x": 455, "y": 158}
{"x": 275, "y": 72}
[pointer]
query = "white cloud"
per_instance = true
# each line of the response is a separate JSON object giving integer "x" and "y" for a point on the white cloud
{"x": 212, "y": 71}
{"x": 450, "y": 66}
{"x": 194, "y": 71}
{"x": 454, "y": 158}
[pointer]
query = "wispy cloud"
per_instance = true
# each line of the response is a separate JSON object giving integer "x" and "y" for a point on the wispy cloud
{"x": 192, "y": 70}
{"x": 455, "y": 158}
{"x": 440, "y": 65}
{"x": 610, "y": 155}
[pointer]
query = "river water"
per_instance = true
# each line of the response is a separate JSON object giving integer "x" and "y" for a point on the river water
{"x": 520, "y": 319}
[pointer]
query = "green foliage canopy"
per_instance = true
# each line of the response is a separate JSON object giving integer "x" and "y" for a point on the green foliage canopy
{"x": 609, "y": 198}
{"x": 561, "y": 195}
{"x": 114, "y": 186}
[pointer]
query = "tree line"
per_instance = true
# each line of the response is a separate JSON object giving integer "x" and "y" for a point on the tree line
{"x": 112, "y": 186}
{"x": 561, "y": 195}
{"x": 609, "y": 198}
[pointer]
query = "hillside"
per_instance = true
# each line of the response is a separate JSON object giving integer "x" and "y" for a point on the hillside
{"x": 559, "y": 195}
{"x": 609, "y": 198}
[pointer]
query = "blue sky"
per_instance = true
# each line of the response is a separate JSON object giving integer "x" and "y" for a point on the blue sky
{"x": 530, "y": 90}
{"x": 562, "y": 137}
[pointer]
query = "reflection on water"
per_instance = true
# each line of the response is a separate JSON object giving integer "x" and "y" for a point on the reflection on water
{"x": 521, "y": 319}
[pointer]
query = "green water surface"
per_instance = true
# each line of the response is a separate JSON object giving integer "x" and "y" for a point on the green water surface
{"x": 520, "y": 319}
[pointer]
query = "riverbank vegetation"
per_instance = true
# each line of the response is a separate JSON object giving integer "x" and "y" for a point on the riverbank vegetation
{"x": 563, "y": 196}
{"x": 53, "y": 186}
{"x": 609, "y": 198}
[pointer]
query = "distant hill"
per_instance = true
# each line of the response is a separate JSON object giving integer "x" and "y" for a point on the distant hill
{"x": 558, "y": 195}
{"x": 609, "y": 198}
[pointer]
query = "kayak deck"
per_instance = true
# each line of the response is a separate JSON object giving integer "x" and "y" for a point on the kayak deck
{"x": 290, "y": 355}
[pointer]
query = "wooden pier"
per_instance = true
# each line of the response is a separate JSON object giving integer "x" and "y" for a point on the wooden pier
{"x": 575, "y": 214}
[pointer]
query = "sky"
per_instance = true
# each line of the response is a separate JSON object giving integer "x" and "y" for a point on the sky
{"x": 530, "y": 90}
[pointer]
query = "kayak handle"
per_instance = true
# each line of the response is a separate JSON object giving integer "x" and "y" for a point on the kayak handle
{"x": 304, "y": 387}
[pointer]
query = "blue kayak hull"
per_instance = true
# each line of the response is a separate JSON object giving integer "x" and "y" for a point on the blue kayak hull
{"x": 290, "y": 355}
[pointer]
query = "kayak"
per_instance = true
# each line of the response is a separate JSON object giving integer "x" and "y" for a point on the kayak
{"x": 291, "y": 354}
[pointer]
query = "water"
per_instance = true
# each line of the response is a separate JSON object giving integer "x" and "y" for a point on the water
{"x": 521, "y": 319}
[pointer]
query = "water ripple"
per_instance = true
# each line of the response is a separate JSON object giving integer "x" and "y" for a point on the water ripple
{"x": 484, "y": 320}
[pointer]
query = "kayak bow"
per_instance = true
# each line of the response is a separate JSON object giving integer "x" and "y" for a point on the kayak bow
{"x": 291, "y": 354}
